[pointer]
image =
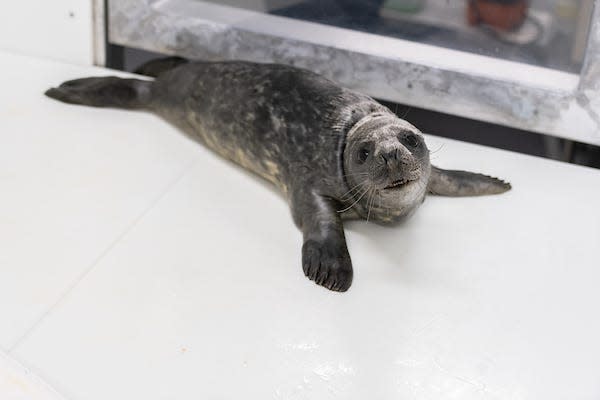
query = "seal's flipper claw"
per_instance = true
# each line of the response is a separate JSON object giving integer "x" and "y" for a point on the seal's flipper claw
{"x": 462, "y": 183}
{"x": 107, "y": 91}
{"x": 322, "y": 276}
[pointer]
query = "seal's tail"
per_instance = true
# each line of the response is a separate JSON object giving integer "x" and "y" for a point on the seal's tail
{"x": 107, "y": 91}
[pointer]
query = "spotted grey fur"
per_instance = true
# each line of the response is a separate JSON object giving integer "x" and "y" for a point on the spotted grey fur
{"x": 334, "y": 153}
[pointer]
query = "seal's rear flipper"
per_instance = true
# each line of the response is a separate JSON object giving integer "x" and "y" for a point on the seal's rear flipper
{"x": 461, "y": 183}
{"x": 156, "y": 67}
{"x": 107, "y": 91}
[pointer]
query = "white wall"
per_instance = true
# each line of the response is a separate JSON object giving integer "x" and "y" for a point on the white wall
{"x": 57, "y": 29}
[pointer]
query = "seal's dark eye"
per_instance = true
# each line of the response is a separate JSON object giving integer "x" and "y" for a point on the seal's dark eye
{"x": 363, "y": 154}
{"x": 412, "y": 140}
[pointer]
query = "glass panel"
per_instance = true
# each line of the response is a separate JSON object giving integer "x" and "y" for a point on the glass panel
{"x": 546, "y": 33}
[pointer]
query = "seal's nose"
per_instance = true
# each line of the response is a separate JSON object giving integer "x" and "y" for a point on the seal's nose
{"x": 396, "y": 162}
{"x": 393, "y": 155}
{"x": 389, "y": 156}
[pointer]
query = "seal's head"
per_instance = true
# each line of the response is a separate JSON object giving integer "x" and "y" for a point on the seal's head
{"x": 386, "y": 163}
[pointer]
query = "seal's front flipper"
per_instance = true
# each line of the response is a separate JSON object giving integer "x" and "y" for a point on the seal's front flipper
{"x": 156, "y": 67}
{"x": 107, "y": 91}
{"x": 325, "y": 258}
{"x": 462, "y": 183}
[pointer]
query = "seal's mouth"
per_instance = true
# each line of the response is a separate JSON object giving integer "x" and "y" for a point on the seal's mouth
{"x": 397, "y": 184}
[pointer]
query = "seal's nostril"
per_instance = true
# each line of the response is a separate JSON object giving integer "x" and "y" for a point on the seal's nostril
{"x": 389, "y": 156}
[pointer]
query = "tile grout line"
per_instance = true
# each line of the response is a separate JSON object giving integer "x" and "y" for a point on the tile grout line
{"x": 32, "y": 376}
{"x": 99, "y": 258}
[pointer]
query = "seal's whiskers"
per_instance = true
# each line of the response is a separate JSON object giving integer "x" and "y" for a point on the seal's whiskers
{"x": 370, "y": 202}
{"x": 357, "y": 200}
{"x": 353, "y": 191}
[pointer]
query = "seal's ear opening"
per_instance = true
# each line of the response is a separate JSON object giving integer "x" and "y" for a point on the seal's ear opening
{"x": 462, "y": 183}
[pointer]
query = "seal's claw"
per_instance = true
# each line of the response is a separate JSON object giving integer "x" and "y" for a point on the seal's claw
{"x": 328, "y": 264}
{"x": 322, "y": 276}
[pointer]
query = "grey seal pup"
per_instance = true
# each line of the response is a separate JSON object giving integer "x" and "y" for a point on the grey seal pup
{"x": 334, "y": 153}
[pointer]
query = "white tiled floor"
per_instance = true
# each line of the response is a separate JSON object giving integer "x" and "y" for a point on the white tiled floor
{"x": 203, "y": 295}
